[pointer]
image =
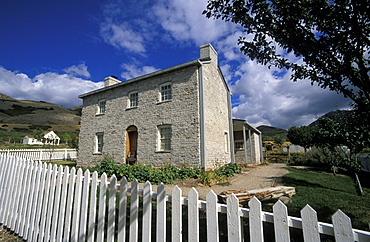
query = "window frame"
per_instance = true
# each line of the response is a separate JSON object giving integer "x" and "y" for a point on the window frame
{"x": 102, "y": 108}
{"x": 227, "y": 142}
{"x": 99, "y": 143}
{"x": 130, "y": 99}
{"x": 165, "y": 95}
{"x": 164, "y": 139}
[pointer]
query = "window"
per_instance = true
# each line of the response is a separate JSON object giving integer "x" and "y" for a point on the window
{"x": 239, "y": 145}
{"x": 101, "y": 106}
{"x": 164, "y": 137}
{"x": 227, "y": 145}
{"x": 133, "y": 99}
{"x": 99, "y": 142}
{"x": 166, "y": 92}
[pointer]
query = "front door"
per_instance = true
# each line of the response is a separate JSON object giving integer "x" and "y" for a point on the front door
{"x": 131, "y": 144}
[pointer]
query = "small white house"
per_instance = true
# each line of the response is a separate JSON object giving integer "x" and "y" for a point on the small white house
{"x": 49, "y": 138}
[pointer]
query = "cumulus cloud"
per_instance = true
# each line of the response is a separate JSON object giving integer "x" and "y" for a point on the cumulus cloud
{"x": 79, "y": 70}
{"x": 122, "y": 36}
{"x": 62, "y": 89}
{"x": 132, "y": 70}
{"x": 184, "y": 21}
{"x": 265, "y": 98}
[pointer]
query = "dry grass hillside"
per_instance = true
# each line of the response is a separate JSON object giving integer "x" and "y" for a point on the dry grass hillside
{"x": 22, "y": 115}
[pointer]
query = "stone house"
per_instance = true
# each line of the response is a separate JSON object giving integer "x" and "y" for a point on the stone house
{"x": 179, "y": 115}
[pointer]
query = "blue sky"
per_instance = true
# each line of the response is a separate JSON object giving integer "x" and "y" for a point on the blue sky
{"x": 56, "y": 50}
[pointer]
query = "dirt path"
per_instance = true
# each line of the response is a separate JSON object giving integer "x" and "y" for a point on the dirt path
{"x": 253, "y": 177}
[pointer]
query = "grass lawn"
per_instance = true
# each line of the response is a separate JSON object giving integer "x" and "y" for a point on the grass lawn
{"x": 69, "y": 163}
{"x": 327, "y": 193}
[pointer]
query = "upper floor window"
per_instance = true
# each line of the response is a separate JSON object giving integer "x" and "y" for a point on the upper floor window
{"x": 227, "y": 144}
{"x": 133, "y": 99}
{"x": 164, "y": 137}
{"x": 101, "y": 106}
{"x": 165, "y": 91}
{"x": 99, "y": 142}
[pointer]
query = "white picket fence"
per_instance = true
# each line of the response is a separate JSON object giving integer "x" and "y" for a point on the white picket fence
{"x": 41, "y": 154}
{"x": 44, "y": 203}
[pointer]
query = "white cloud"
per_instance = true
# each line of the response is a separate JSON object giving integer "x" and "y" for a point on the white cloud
{"x": 133, "y": 70}
{"x": 277, "y": 101}
{"x": 62, "y": 89}
{"x": 122, "y": 36}
{"x": 184, "y": 20}
{"x": 79, "y": 70}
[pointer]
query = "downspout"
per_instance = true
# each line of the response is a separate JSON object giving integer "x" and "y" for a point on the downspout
{"x": 231, "y": 129}
{"x": 202, "y": 119}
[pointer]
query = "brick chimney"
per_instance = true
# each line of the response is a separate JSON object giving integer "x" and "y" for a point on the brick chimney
{"x": 208, "y": 53}
{"x": 110, "y": 80}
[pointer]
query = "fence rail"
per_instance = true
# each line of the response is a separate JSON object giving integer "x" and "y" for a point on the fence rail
{"x": 41, "y": 154}
{"x": 41, "y": 202}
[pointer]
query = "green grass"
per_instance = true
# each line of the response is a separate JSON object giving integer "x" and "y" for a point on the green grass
{"x": 70, "y": 163}
{"x": 326, "y": 194}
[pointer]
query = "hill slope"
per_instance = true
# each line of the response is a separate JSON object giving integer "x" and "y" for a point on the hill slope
{"x": 32, "y": 114}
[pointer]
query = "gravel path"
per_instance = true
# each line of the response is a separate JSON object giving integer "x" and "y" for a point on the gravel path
{"x": 253, "y": 177}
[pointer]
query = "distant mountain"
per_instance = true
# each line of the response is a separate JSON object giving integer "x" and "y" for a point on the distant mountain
{"x": 27, "y": 115}
{"x": 269, "y": 132}
{"x": 335, "y": 115}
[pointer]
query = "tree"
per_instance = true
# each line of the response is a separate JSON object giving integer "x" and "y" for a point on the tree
{"x": 279, "y": 140}
{"x": 302, "y": 136}
{"x": 331, "y": 36}
{"x": 345, "y": 138}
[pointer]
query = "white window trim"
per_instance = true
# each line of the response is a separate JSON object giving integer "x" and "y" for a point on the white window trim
{"x": 160, "y": 92}
{"x": 227, "y": 142}
{"x": 129, "y": 99}
{"x": 99, "y": 111}
{"x": 96, "y": 149}
{"x": 159, "y": 140}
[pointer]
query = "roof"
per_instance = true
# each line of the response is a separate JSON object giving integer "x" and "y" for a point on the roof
{"x": 140, "y": 78}
{"x": 244, "y": 122}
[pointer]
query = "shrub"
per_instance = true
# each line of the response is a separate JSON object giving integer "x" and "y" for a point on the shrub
{"x": 229, "y": 170}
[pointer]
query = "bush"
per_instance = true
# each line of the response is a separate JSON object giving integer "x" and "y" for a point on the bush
{"x": 166, "y": 174}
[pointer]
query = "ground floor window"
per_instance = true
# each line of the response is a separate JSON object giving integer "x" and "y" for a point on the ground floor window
{"x": 99, "y": 142}
{"x": 164, "y": 137}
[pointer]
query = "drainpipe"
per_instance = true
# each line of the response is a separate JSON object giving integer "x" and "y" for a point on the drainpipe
{"x": 231, "y": 129}
{"x": 202, "y": 119}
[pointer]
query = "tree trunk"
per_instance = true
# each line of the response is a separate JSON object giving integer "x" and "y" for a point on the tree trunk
{"x": 358, "y": 186}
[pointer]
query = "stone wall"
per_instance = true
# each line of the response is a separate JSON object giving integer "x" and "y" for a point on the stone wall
{"x": 182, "y": 113}
{"x": 216, "y": 112}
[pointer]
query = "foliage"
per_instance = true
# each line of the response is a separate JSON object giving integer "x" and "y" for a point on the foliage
{"x": 166, "y": 174}
{"x": 279, "y": 140}
{"x": 303, "y": 136}
{"x": 229, "y": 170}
{"x": 326, "y": 194}
{"x": 331, "y": 37}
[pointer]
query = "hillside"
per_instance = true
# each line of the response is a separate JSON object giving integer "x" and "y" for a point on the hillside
{"x": 269, "y": 132}
{"x": 22, "y": 115}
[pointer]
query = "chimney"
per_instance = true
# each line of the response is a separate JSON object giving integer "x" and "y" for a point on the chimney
{"x": 208, "y": 53}
{"x": 110, "y": 80}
